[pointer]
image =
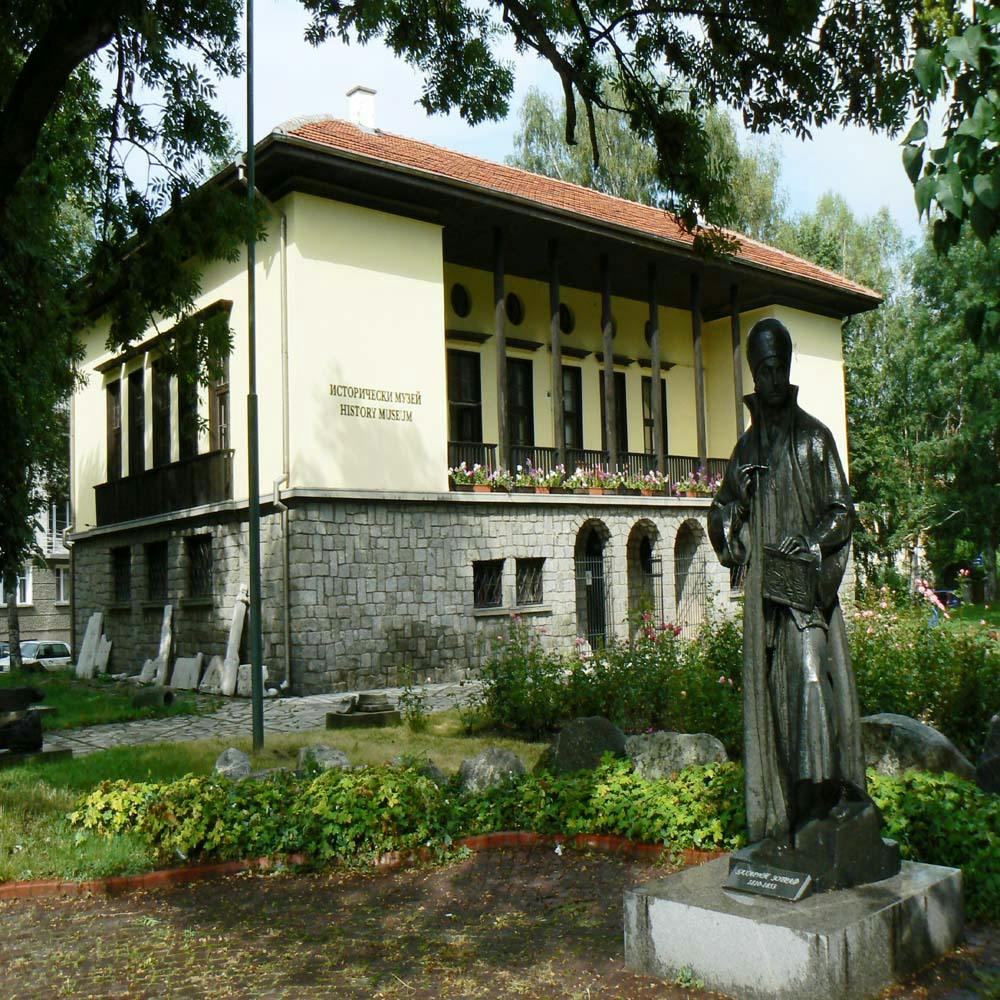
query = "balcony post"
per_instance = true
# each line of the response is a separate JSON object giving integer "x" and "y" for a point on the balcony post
{"x": 699, "y": 370}
{"x": 734, "y": 318}
{"x": 655, "y": 392}
{"x": 607, "y": 331}
{"x": 558, "y": 420}
{"x": 500, "y": 340}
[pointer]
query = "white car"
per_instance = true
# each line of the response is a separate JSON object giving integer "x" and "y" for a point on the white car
{"x": 48, "y": 655}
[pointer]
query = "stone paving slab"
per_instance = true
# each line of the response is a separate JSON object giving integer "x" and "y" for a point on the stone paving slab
{"x": 281, "y": 715}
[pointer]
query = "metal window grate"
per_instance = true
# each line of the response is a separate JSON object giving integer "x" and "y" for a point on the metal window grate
{"x": 199, "y": 565}
{"x": 121, "y": 574}
{"x": 595, "y": 620}
{"x": 156, "y": 571}
{"x": 529, "y": 581}
{"x": 487, "y": 583}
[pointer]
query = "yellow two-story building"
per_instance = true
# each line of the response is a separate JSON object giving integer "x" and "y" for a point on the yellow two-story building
{"x": 416, "y": 309}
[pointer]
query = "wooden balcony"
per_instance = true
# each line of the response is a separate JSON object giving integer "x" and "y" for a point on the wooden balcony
{"x": 204, "y": 479}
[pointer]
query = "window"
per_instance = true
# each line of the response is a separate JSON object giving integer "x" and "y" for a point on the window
{"x": 113, "y": 398}
{"x": 461, "y": 301}
{"x": 520, "y": 402}
{"x": 647, "y": 414}
{"x": 218, "y": 411}
{"x": 187, "y": 416}
{"x": 121, "y": 575}
{"x": 515, "y": 308}
{"x": 161, "y": 415}
{"x": 22, "y": 587}
{"x": 573, "y": 406}
{"x": 465, "y": 397}
{"x": 136, "y": 422}
{"x": 621, "y": 415}
{"x": 529, "y": 581}
{"x": 487, "y": 583}
{"x": 156, "y": 571}
{"x": 62, "y": 585}
{"x": 199, "y": 565}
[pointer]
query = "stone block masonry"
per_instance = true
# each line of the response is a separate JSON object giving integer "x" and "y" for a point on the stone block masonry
{"x": 378, "y": 585}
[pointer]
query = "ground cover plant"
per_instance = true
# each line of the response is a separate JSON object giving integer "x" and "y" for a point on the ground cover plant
{"x": 95, "y": 702}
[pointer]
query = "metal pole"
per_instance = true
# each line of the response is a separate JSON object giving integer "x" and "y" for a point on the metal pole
{"x": 256, "y": 656}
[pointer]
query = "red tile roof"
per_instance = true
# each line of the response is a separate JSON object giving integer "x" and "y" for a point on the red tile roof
{"x": 551, "y": 193}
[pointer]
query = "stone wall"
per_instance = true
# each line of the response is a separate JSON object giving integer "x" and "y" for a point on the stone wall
{"x": 377, "y": 585}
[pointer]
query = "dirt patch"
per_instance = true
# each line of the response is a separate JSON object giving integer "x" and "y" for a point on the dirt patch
{"x": 498, "y": 924}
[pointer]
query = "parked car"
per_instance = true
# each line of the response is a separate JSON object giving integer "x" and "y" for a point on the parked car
{"x": 4, "y": 649}
{"x": 39, "y": 654}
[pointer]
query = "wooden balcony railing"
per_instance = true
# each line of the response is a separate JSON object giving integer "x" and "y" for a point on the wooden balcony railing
{"x": 206, "y": 478}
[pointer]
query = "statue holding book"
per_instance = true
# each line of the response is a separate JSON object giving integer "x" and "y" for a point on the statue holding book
{"x": 784, "y": 513}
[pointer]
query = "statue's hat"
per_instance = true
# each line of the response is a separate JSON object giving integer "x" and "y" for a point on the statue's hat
{"x": 769, "y": 338}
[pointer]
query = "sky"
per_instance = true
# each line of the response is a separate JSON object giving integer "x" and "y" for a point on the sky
{"x": 293, "y": 78}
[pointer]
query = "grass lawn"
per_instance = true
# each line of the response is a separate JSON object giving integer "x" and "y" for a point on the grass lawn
{"x": 974, "y": 614}
{"x": 36, "y": 841}
{"x": 90, "y": 703}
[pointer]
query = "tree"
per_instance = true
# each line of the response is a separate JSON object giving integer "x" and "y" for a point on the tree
{"x": 748, "y": 199}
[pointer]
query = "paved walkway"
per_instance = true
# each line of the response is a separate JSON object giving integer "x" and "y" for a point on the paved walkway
{"x": 281, "y": 715}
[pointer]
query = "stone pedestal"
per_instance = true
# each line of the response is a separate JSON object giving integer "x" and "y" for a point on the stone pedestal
{"x": 846, "y": 944}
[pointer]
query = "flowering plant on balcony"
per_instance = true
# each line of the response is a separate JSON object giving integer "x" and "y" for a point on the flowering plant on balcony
{"x": 550, "y": 480}
{"x": 526, "y": 475}
{"x": 500, "y": 479}
{"x": 653, "y": 480}
{"x": 462, "y": 475}
{"x": 699, "y": 482}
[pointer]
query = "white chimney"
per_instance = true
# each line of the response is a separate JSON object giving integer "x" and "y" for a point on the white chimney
{"x": 361, "y": 107}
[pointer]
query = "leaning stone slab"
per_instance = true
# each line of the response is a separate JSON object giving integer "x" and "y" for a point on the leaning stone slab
{"x": 166, "y": 640}
{"x": 103, "y": 655}
{"x": 580, "y": 745}
{"x": 323, "y": 757}
{"x": 88, "y": 651}
{"x": 231, "y": 663}
{"x": 187, "y": 672}
{"x": 896, "y": 743}
{"x": 233, "y": 764}
{"x": 148, "y": 673}
{"x": 842, "y": 945}
{"x": 988, "y": 768}
{"x": 662, "y": 754}
{"x": 488, "y": 769}
{"x": 211, "y": 681}
{"x": 244, "y": 682}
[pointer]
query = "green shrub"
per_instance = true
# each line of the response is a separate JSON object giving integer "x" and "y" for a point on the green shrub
{"x": 944, "y": 677}
{"x": 942, "y": 819}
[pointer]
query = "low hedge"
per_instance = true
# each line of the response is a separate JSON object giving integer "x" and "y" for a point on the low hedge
{"x": 361, "y": 814}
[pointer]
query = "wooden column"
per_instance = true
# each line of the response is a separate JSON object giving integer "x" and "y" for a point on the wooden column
{"x": 558, "y": 421}
{"x": 610, "y": 429}
{"x": 734, "y": 319}
{"x": 500, "y": 342}
{"x": 655, "y": 392}
{"x": 699, "y": 370}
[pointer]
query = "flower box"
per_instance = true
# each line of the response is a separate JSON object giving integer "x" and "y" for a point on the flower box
{"x": 627, "y": 491}
{"x": 544, "y": 490}
{"x": 482, "y": 488}
{"x": 524, "y": 489}
{"x": 462, "y": 487}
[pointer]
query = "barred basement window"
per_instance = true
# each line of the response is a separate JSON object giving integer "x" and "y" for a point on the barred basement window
{"x": 529, "y": 581}
{"x": 156, "y": 571}
{"x": 121, "y": 575}
{"x": 199, "y": 565}
{"x": 487, "y": 583}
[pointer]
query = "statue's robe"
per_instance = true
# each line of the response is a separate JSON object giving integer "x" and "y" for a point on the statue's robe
{"x": 801, "y": 720}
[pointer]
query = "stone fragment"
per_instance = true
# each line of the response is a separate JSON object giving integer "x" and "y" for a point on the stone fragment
{"x": 988, "y": 768}
{"x": 233, "y": 764}
{"x": 187, "y": 672}
{"x": 148, "y": 673}
{"x": 580, "y": 745}
{"x": 992, "y": 745}
{"x": 323, "y": 757}
{"x": 488, "y": 769}
{"x": 88, "y": 651}
{"x": 231, "y": 662}
{"x": 162, "y": 660}
{"x": 662, "y": 754}
{"x": 103, "y": 655}
{"x": 423, "y": 766}
{"x": 21, "y": 731}
{"x": 244, "y": 683}
{"x": 211, "y": 681}
{"x": 896, "y": 743}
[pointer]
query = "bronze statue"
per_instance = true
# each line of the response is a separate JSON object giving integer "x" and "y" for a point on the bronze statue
{"x": 784, "y": 513}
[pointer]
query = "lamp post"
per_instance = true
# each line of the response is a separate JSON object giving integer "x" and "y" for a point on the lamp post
{"x": 253, "y": 460}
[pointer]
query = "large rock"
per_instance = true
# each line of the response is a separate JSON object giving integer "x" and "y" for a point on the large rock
{"x": 988, "y": 769}
{"x": 580, "y": 745}
{"x": 233, "y": 764}
{"x": 322, "y": 757}
{"x": 423, "y": 766}
{"x": 896, "y": 743}
{"x": 488, "y": 769}
{"x": 662, "y": 754}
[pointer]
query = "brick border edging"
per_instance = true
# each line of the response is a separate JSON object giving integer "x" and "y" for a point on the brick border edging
{"x": 115, "y": 884}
